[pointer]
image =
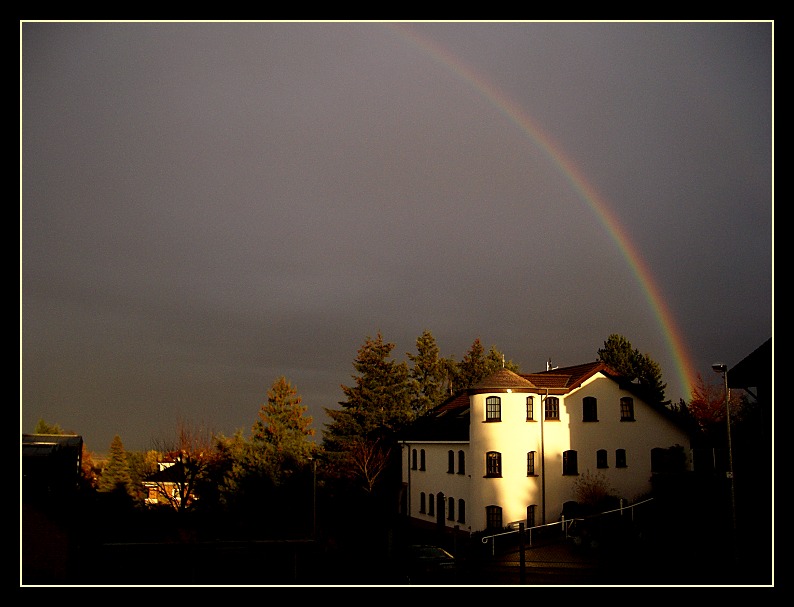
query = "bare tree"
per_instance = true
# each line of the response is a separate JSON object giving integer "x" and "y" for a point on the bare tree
{"x": 187, "y": 458}
{"x": 369, "y": 458}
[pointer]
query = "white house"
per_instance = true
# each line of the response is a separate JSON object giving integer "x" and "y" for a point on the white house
{"x": 512, "y": 447}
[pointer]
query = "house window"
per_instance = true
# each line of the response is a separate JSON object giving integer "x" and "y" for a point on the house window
{"x": 569, "y": 465}
{"x": 552, "y": 407}
{"x": 530, "y": 463}
{"x": 589, "y": 409}
{"x": 493, "y": 517}
{"x": 493, "y": 409}
{"x": 431, "y": 505}
{"x": 451, "y": 508}
{"x": 601, "y": 458}
{"x": 530, "y": 408}
{"x": 531, "y": 512}
{"x": 493, "y": 464}
{"x": 450, "y": 461}
{"x": 461, "y": 511}
{"x": 422, "y": 459}
{"x": 413, "y": 459}
{"x": 422, "y": 502}
{"x": 620, "y": 458}
{"x": 657, "y": 459}
{"x": 461, "y": 462}
{"x": 627, "y": 409}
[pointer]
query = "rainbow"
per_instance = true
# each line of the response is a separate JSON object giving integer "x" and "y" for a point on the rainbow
{"x": 516, "y": 114}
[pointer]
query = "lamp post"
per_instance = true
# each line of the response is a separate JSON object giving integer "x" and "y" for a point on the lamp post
{"x": 722, "y": 368}
{"x": 313, "y": 460}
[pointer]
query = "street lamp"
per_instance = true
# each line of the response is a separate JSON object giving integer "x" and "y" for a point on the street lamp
{"x": 313, "y": 460}
{"x": 722, "y": 368}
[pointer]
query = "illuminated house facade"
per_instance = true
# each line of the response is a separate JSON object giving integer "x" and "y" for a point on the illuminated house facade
{"x": 511, "y": 448}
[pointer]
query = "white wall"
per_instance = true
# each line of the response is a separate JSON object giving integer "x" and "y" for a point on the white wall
{"x": 514, "y": 436}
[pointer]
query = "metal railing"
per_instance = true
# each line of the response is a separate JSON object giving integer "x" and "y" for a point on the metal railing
{"x": 565, "y": 525}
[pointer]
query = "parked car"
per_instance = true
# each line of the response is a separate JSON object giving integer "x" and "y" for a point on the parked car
{"x": 428, "y": 564}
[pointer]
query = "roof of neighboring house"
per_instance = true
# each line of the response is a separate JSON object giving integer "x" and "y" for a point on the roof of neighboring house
{"x": 43, "y": 445}
{"x": 754, "y": 370}
{"x": 169, "y": 474}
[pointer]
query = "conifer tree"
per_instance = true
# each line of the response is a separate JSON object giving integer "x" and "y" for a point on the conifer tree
{"x": 473, "y": 366}
{"x": 627, "y": 361}
{"x": 428, "y": 373}
{"x": 476, "y": 365}
{"x": 283, "y": 429}
{"x": 116, "y": 474}
{"x": 378, "y": 406}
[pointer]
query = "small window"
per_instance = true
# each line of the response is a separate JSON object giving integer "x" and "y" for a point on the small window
{"x": 552, "y": 407}
{"x": 461, "y": 462}
{"x": 422, "y": 459}
{"x": 601, "y": 458}
{"x": 589, "y": 409}
{"x": 569, "y": 463}
{"x": 531, "y": 513}
{"x": 531, "y": 463}
{"x": 620, "y": 458}
{"x": 431, "y": 505}
{"x": 493, "y": 464}
{"x": 493, "y": 517}
{"x": 450, "y": 462}
{"x": 530, "y": 408}
{"x": 461, "y": 511}
{"x": 493, "y": 409}
{"x": 627, "y": 409}
{"x": 413, "y": 459}
{"x": 451, "y": 508}
{"x": 422, "y": 502}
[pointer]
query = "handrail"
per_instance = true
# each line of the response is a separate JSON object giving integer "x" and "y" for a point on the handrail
{"x": 565, "y": 523}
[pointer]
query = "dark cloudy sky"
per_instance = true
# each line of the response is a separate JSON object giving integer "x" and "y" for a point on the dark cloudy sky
{"x": 208, "y": 206}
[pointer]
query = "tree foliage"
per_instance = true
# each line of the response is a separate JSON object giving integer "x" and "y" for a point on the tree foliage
{"x": 43, "y": 427}
{"x": 259, "y": 479}
{"x": 477, "y": 364}
{"x": 707, "y": 406}
{"x": 634, "y": 366}
{"x": 429, "y": 373}
{"x": 283, "y": 428}
{"x": 115, "y": 477}
{"x": 379, "y": 404}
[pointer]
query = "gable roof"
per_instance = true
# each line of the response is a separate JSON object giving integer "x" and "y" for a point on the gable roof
{"x": 565, "y": 379}
{"x": 449, "y": 421}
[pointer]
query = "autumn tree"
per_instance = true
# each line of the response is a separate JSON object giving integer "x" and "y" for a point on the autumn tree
{"x": 630, "y": 363}
{"x": 707, "y": 405}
